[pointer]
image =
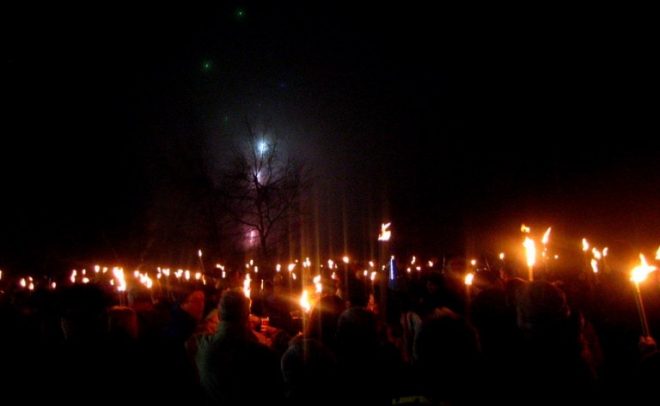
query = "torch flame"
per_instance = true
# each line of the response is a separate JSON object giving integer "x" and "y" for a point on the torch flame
{"x": 596, "y": 253}
{"x": 304, "y": 301}
{"x": 585, "y": 245}
{"x": 657, "y": 254}
{"x": 530, "y": 251}
{"x": 246, "y": 285}
{"x": 469, "y": 277}
{"x": 501, "y": 256}
{"x": 640, "y": 272}
{"x": 385, "y": 232}
{"x": 594, "y": 265}
{"x": 525, "y": 229}
{"x": 546, "y": 236}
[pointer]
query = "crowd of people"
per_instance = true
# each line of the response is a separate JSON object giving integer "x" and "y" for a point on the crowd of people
{"x": 424, "y": 340}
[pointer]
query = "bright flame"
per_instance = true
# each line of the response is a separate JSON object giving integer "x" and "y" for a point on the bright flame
{"x": 430, "y": 264}
{"x": 469, "y": 277}
{"x": 639, "y": 273}
{"x": 473, "y": 262}
{"x": 85, "y": 280}
{"x": 385, "y": 232}
{"x": 371, "y": 264}
{"x": 198, "y": 276}
{"x": 278, "y": 267}
{"x": 74, "y": 273}
{"x": 346, "y": 259}
{"x": 596, "y": 253}
{"x": 333, "y": 276}
{"x": 220, "y": 267}
{"x": 501, "y": 256}
{"x": 585, "y": 245}
{"x": 373, "y": 276}
{"x": 365, "y": 273}
{"x": 317, "y": 284}
{"x": 412, "y": 261}
{"x": 187, "y": 275}
{"x": 530, "y": 251}
{"x": 546, "y": 236}
{"x": 657, "y": 254}
{"x": 525, "y": 229}
{"x": 199, "y": 253}
{"x": 31, "y": 286}
{"x": 304, "y": 301}
{"x": 23, "y": 282}
{"x": 53, "y": 285}
{"x": 246, "y": 285}
{"x": 293, "y": 274}
{"x": 97, "y": 269}
{"x": 291, "y": 267}
{"x": 594, "y": 265}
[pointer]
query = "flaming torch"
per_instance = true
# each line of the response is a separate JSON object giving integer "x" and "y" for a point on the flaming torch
{"x": 638, "y": 275}
{"x": 530, "y": 253}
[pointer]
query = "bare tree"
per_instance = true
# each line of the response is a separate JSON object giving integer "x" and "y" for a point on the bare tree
{"x": 262, "y": 188}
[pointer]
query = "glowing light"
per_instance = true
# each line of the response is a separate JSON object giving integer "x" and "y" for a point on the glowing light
{"x": 473, "y": 262}
{"x": 199, "y": 253}
{"x": 530, "y": 253}
{"x": 657, "y": 254}
{"x": 556, "y": 256}
{"x": 469, "y": 277}
{"x": 293, "y": 275}
{"x": 291, "y": 267}
{"x": 371, "y": 264}
{"x": 246, "y": 285}
{"x": 74, "y": 273}
{"x": 373, "y": 276}
{"x": 85, "y": 280}
{"x": 198, "y": 276}
{"x": 546, "y": 236}
{"x": 502, "y": 256}
{"x": 640, "y": 272}
{"x": 412, "y": 261}
{"x": 317, "y": 284}
{"x": 346, "y": 259}
{"x": 22, "y": 282}
{"x": 525, "y": 229}
{"x": 304, "y": 301}
{"x": 365, "y": 273}
{"x": 605, "y": 250}
{"x": 53, "y": 285}
{"x": 418, "y": 268}
{"x": 408, "y": 270}
{"x": 596, "y": 253}
{"x": 278, "y": 267}
{"x": 97, "y": 269}
{"x": 262, "y": 147}
{"x": 585, "y": 245}
{"x": 186, "y": 275}
{"x": 385, "y": 233}
{"x": 333, "y": 276}
{"x": 430, "y": 264}
{"x": 594, "y": 265}
{"x": 31, "y": 286}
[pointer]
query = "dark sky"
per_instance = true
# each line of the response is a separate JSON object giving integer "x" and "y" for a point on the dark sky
{"x": 456, "y": 126}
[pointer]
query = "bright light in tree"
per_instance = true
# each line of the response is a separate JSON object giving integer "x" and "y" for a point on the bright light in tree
{"x": 262, "y": 147}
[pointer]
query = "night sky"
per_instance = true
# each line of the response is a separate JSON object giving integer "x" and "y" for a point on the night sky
{"x": 455, "y": 126}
